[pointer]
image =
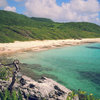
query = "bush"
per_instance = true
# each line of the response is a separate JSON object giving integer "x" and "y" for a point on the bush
{"x": 3, "y": 73}
{"x": 6, "y": 95}
{"x": 82, "y": 95}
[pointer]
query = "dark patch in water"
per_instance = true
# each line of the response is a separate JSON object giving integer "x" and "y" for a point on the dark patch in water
{"x": 92, "y": 76}
{"x": 98, "y": 88}
{"x": 40, "y": 68}
{"x": 36, "y": 67}
{"x": 25, "y": 70}
{"x": 32, "y": 70}
{"x": 92, "y": 47}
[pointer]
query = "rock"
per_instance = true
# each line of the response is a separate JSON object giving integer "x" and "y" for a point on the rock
{"x": 45, "y": 88}
{"x": 34, "y": 98}
{"x": 31, "y": 85}
{"x": 43, "y": 78}
{"x": 25, "y": 93}
{"x": 22, "y": 81}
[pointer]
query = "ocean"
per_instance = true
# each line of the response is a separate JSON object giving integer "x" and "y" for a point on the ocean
{"x": 76, "y": 67}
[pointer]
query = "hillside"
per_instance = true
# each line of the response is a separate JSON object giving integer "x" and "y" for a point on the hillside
{"x": 15, "y": 26}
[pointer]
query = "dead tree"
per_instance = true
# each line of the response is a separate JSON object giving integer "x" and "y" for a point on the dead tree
{"x": 15, "y": 73}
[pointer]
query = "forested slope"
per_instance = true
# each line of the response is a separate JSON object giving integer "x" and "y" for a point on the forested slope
{"x": 19, "y": 27}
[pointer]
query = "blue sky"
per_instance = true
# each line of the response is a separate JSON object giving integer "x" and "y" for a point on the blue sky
{"x": 59, "y": 2}
{"x": 21, "y": 8}
{"x": 57, "y": 10}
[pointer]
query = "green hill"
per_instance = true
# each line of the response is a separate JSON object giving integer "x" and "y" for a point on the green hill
{"x": 15, "y": 26}
{"x": 41, "y": 19}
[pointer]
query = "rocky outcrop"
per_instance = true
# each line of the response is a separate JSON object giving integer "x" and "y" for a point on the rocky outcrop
{"x": 43, "y": 89}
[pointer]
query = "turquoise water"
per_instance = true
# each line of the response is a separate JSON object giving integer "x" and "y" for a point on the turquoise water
{"x": 76, "y": 67}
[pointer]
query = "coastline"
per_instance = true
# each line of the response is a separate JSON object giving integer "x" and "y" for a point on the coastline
{"x": 18, "y": 46}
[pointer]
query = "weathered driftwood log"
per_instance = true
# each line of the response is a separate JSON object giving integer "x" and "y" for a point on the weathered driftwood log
{"x": 17, "y": 68}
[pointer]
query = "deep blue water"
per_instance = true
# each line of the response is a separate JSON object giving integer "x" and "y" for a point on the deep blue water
{"x": 76, "y": 67}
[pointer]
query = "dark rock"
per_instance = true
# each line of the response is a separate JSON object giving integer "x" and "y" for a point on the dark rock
{"x": 40, "y": 81}
{"x": 43, "y": 78}
{"x": 33, "y": 98}
{"x": 57, "y": 88}
{"x": 22, "y": 81}
{"x": 31, "y": 85}
{"x": 59, "y": 93}
{"x": 25, "y": 93}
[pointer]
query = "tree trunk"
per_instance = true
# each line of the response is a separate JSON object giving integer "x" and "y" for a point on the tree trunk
{"x": 15, "y": 63}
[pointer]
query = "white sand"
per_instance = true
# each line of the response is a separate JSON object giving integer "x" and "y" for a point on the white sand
{"x": 8, "y": 48}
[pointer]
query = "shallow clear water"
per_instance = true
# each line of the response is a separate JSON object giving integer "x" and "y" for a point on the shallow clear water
{"x": 76, "y": 67}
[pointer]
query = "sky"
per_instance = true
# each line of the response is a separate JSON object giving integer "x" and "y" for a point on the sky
{"x": 57, "y": 10}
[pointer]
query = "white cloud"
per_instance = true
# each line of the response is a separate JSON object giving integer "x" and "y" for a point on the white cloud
{"x": 3, "y": 3}
{"x": 43, "y": 8}
{"x": 8, "y": 8}
{"x": 75, "y": 10}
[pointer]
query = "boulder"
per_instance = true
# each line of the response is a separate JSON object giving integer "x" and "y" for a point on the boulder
{"x": 45, "y": 88}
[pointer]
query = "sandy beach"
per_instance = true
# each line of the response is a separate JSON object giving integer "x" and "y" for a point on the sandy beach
{"x": 17, "y": 46}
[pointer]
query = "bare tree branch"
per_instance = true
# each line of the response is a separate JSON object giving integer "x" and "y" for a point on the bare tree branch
{"x": 17, "y": 68}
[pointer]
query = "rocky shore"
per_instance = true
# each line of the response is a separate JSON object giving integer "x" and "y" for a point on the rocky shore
{"x": 43, "y": 89}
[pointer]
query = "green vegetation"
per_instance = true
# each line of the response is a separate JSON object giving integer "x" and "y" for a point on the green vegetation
{"x": 5, "y": 72}
{"x": 14, "y": 27}
{"x": 82, "y": 95}
{"x": 6, "y": 95}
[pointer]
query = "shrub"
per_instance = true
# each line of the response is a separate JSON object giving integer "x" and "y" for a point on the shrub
{"x": 3, "y": 73}
{"x": 82, "y": 95}
{"x": 6, "y": 95}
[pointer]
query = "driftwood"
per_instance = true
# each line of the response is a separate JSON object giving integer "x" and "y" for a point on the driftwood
{"x": 17, "y": 68}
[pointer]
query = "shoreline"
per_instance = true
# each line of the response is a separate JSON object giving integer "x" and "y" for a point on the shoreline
{"x": 38, "y": 45}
